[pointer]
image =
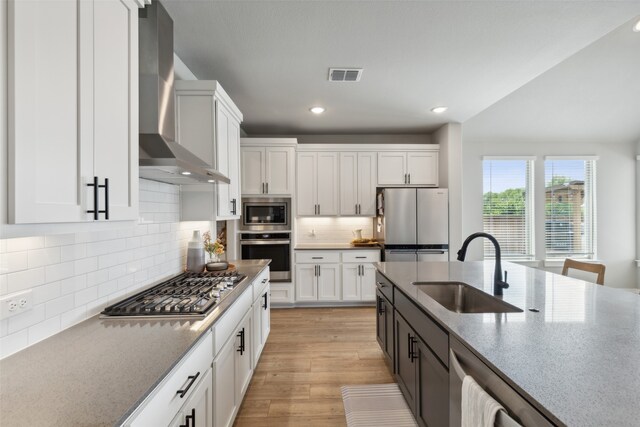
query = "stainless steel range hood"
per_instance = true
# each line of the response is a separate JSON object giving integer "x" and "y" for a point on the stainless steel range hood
{"x": 161, "y": 157}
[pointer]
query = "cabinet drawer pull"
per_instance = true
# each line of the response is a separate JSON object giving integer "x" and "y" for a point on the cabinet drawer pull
{"x": 184, "y": 391}
{"x": 361, "y": 257}
{"x": 317, "y": 257}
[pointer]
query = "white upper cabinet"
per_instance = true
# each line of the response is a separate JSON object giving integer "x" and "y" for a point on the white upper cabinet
{"x": 208, "y": 125}
{"x": 268, "y": 166}
{"x": 358, "y": 175}
{"x": 317, "y": 178}
{"x": 408, "y": 168}
{"x": 73, "y": 110}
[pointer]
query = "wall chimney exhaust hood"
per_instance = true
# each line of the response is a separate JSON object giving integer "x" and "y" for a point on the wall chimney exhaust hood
{"x": 161, "y": 157}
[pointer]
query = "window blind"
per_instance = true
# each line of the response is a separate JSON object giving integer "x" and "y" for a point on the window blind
{"x": 507, "y": 208}
{"x": 569, "y": 208}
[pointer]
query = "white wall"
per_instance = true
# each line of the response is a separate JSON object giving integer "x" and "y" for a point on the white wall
{"x": 449, "y": 137}
{"x": 615, "y": 198}
{"x": 638, "y": 213}
{"x": 74, "y": 275}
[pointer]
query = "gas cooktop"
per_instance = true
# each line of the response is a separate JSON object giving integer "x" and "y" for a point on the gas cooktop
{"x": 186, "y": 295}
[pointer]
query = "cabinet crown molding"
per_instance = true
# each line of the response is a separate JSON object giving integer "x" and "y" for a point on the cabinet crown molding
{"x": 368, "y": 147}
{"x": 268, "y": 142}
{"x": 208, "y": 87}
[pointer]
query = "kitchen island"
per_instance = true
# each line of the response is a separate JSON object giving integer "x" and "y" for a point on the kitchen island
{"x": 100, "y": 371}
{"x": 574, "y": 357}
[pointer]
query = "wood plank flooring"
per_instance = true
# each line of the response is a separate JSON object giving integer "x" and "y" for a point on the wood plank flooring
{"x": 309, "y": 355}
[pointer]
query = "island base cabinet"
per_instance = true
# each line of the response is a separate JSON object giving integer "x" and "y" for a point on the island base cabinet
{"x": 384, "y": 328}
{"x": 422, "y": 378}
{"x": 198, "y": 410}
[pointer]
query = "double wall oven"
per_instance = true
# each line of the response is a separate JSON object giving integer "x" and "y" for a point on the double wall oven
{"x": 266, "y": 234}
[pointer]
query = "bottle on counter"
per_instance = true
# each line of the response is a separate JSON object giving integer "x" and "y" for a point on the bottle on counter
{"x": 195, "y": 253}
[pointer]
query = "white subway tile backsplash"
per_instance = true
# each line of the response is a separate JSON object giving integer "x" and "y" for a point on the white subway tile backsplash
{"x": 25, "y": 243}
{"x": 86, "y": 265}
{"x": 59, "y": 271}
{"x": 13, "y": 261}
{"x": 75, "y": 275}
{"x": 42, "y": 257}
{"x": 59, "y": 240}
{"x": 86, "y": 295}
{"x": 44, "y": 330}
{"x": 59, "y": 305}
{"x": 26, "y": 279}
{"x": 11, "y": 343}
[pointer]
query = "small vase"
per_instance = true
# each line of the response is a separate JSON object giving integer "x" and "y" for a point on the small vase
{"x": 214, "y": 263}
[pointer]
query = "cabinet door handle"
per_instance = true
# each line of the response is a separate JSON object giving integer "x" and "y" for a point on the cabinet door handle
{"x": 184, "y": 391}
{"x": 262, "y": 188}
{"x": 265, "y": 296}
{"x": 233, "y": 203}
{"x": 409, "y": 345}
{"x": 189, "y": 418}
{"x": 409, "y": 178}
{"x": 241, "y": 348}
{"x": 413, "y": 354}
{"x": 106, "y": 198}
{"x": 380, "y": 306}
{"x": 94, "y": 184}
{"x": 382, "y": 285}
{"x": 267, "y": 186}
{"x": 318, "y": 209}
{"x": 318, "y": 271}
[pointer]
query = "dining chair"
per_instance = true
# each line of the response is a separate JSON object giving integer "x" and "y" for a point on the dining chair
{"x": 589, "y": 267}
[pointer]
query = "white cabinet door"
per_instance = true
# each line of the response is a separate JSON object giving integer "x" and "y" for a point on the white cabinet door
{"x": 351, "y": 282}
{"x": 422, "y": 168}
{"x": 367, "y": 177}
{"x": 198, "y": 410}
{"x": 244, "y": 365}
{"x": 329, "y": 283}
{"x": 368, "y": 282}
{"x": 306, "y": 286}
{"x": 253, "y": 173}
{"x": 327, "y": 181}
{"x": 256, "y": 339}
{"x": 50, "y": 135}
{"x": 279, "y": 170}
{"x": 223, "y": 118}
{"x": 234, "y": 169}
{"x": 224, "y": 396}
{"x": 349, "y": 183}
{"x": 392, "y": 167}
{"x": 307, "y": 185}
{"x": 115, "y": 103}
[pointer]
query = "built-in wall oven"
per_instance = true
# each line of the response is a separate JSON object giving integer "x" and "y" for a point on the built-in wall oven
{"x": 274, "y": 246}
{"x": 265, "y": 233}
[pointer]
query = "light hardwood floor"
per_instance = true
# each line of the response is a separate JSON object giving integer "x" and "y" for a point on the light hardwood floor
{"x": 309, "y": 355}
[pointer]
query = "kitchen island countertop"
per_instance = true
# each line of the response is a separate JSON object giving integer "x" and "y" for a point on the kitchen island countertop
{"x": 576, "y": 359}
{"x": 97, "y": 372}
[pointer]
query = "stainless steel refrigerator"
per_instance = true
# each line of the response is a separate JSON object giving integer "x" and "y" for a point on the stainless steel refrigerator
{"x": 413, "y": 223}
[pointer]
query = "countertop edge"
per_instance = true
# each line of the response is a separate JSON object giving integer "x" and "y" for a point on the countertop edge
{"x": 213, "y": 320}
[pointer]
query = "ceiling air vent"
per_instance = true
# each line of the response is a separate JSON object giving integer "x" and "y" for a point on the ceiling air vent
{"x": 345, "y": 74}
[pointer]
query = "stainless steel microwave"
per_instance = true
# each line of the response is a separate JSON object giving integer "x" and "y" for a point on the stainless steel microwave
{"x": 262, "y": 214}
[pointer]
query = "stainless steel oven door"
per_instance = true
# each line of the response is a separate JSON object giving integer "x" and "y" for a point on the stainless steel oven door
{"x": 277, "y": 250}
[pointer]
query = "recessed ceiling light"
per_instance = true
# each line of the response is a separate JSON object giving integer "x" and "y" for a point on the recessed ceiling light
{"x": 185, "y": 173}
{"x": 636, "y": 27}
{"x": 440, "y": 109}
{"x": 211, "y": 180}
{"x": 317, "y": 110}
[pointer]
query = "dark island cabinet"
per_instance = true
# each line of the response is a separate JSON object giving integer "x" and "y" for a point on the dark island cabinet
{"x": 384, "y": 327}
{"x": 422, "y": 377}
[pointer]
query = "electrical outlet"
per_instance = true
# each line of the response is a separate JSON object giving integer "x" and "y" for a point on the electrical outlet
{"x": 13, "y": 304}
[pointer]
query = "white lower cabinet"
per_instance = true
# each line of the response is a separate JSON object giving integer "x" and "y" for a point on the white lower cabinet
{"x": 336, "y": 275}
{"x": 318, "y": 282}
{"x": 198, "y": 410}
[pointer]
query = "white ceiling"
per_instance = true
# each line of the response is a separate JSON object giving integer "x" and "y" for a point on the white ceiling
{"x": 272, "y": 57}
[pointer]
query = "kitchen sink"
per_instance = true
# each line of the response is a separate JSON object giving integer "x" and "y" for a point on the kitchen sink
{"x": 462, "y": 298}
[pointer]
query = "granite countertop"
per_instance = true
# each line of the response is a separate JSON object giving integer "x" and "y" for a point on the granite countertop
{"x": 577, "y": 359}
{"x": 98, "y": 371}
{"x": 333, "y": 246}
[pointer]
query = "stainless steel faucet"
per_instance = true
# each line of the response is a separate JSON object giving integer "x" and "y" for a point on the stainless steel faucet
{"x": 498, "y": 283}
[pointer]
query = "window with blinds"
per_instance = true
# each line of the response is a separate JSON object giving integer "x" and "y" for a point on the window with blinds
{"x": 507, "y": 207}
{"x": 569, "y": 208}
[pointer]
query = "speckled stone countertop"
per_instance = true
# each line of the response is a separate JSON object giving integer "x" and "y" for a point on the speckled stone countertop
{"x": 98, "y": 371}
{"x": 333, "y": 246}
{"x": 578, "y": 359}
